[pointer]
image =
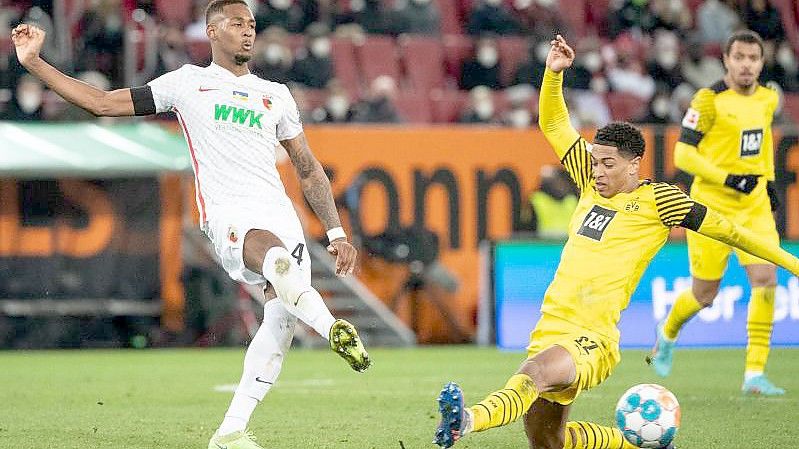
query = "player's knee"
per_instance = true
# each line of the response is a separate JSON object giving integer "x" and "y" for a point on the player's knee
{"x": 284, "y": 275}
{"x": 763, "y": 278}
{"x": 705, "y": 294}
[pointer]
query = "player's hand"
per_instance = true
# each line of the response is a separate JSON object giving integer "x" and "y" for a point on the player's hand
{"x": 742, "y": 183}
{"x": 346, "y": 256}
{"x": 28, "y": 41}
{"x": 560, "y": 56}
{"x": 774, "y": 199}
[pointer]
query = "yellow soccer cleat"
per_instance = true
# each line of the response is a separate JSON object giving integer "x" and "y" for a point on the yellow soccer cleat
{"x": 236, "y": 440}
{"x": 345, "y": 342}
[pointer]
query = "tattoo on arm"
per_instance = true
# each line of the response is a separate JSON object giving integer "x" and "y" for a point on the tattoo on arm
{"x": 315, "y": 184}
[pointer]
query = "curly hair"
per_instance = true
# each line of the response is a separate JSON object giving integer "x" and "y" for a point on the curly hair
{"x": 622, "y": 135}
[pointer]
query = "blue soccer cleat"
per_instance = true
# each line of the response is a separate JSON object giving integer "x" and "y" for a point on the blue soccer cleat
{"x": 453, "y": 415}
{"x": 761, "y": 386}
{"x": 662, "y": 354}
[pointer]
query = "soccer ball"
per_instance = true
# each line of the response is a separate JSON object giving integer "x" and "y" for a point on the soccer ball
{"x": 648, "y": 415}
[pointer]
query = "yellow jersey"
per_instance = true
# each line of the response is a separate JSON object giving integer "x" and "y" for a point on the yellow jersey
{"x": 732, "y": 135}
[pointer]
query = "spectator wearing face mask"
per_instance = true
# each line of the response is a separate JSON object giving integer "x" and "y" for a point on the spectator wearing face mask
{"x": 664, "y": 65}
{"x": 26, "y": 101}
{"x": 764, "y": 19}
{"x": 280, "y": 13}
{"x": 716, "y": 20}
{"x": 317, "y": 11}
{"x": 780, "y": 66}
{"x": 379, "y": 107}
{"x": 629, "y": 76}
{"x": 272, "y": 60}
{"x": 481, "y": 108}
{"x": 483, "y": 69}
{"x": 519, "y": 115}
{"x": 531, "y": 71}
{"x": 102, "y": 39}
{"x": 698, "y": 69}
{"x": 337, "y": 107}
{"x": 492, "y": 16}
{"x": 314, "y": 66}
{"x": 369, "y": 15}
{"x": 418, "y": 17}
{"x": 659, "y": 110}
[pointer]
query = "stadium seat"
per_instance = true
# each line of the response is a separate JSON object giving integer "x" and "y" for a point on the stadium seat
{"x": 450, "y": 20}
{"x": 344, "y": 65}
{"x": 413, "y": 107}
{"x": 378, "y": 56}
{"x": 199, "y": 51}
{"x": 512, "y": 53}
{"x": 446, "y": 104}
{"x": 791, "y": 107}
{"x": 624, "y": 106}
{"x": 175, "y": 11}
{"x": 423, "y": 59}
{"x": 457, "y": 48}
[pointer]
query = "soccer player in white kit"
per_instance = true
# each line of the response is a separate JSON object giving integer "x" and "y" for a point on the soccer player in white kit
{"x": 232, "y": 121}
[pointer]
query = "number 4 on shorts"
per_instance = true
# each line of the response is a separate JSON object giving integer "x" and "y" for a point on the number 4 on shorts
{"x": 297, "y": 252}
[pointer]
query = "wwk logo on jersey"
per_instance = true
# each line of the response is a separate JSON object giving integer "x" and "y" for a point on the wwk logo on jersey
{"x": 596, "y": 221}
{"x": 238, "y": 116}
{"x": 751, "y": 141}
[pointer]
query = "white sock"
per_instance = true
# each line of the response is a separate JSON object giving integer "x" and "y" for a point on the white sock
{"x": 262, "y": 364}
{"x": 748, "y": 375}
{"x": 296, "y": 292}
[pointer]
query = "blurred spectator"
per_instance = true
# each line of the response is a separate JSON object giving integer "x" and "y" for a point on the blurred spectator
{"x": 716, "y": 20}
{"x": 519, "y": 115}
{"x": 72, "y": 113}
{"x": 196, "y": 29}
{"x": 629, "y": 76}
{"x": 541, "y": 18}
{"x": 483, "y": 69}
{"x": 171, "y": 53}
{"x": 492, "y": 16}
{"x": 698, "y": 69}
{"x": 481, "y": 107}
{"x": 531, "y": 71}
{"x": 417, "y": 16}
{"x": 314, "y": 66}
{"x": 780, "y": 66}
{"x": 681, "y": 101}
{"x": 627, "y": 14}
{"x": 659, "y": 110}
{"x": 337, "y": 107}
{"x": 670, "y": 15}
{"x": 278, "y": 13}
{"x": 272, "y": 60}
{"x": 26, "y": 101}
{"x": 101, "y": 41}
{"x": 317, "y": 11}
{"x": 763, "y": 18}
{"x": 553, "y": 203}
{"x": 664, "y": 65}
{"x": 369, "y": 15}
{"x": 379, "y": 106}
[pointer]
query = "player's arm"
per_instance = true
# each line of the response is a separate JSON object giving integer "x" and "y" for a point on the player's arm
{"x": 553, "y": 116}
{"x": 28, "y": 41}
{"x": 317, "y": 190}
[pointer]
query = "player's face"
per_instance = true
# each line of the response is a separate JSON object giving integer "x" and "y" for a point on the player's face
{"x": 612, "y": 171}
{"x": 744, "y": 63}
{"x": 233, "y": 32}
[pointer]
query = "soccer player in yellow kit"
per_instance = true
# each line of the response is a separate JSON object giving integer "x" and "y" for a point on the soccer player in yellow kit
{"x": 618, "y": 226}
{"x": 726, "y": 144}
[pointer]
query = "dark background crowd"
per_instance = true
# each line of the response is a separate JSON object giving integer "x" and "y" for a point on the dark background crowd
{"x": 416, "y": 61}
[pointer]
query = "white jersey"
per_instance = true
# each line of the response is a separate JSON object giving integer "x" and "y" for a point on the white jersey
{"x": 232, "y": 126}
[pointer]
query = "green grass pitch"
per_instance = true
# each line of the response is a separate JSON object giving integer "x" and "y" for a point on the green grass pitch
{"x": 166, "y": 399}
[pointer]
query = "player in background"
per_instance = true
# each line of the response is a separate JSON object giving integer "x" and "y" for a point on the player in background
{"x": 619, "y": 225}
{"x": 726, "y": 143}
{"x": 232, "y": 122}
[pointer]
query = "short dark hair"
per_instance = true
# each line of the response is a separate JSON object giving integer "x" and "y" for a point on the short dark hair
{"x": 745, "y": 36}
{"x": 622, "y": 135}
{"x": 216, "y": 6}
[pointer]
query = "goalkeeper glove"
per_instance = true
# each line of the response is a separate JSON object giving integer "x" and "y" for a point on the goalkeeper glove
{"x": 771, "y": 188}
{"x": 742, "y": 183}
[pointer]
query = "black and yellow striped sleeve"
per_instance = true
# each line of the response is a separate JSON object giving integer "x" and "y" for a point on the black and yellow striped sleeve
{"x": 699, "y": 118}
{"x": 673, "y": 205}
{"x": 577, "y": 161}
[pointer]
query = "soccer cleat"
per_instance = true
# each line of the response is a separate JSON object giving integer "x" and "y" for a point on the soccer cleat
{"x": 345, "y": 342}
{"x": 662, "y": 354}
{"x": 236, "y": 440}
{"x": 759, "y": 385}
{"x": 453, "y": 415}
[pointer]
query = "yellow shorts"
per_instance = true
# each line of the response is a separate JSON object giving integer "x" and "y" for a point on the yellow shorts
{"x": 594, "y": 356}
{"x": 708, "y": 257}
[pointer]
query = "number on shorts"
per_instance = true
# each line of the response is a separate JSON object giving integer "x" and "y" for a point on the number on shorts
{"x": 297, "y": 253}
{"x": 586, "y": 344}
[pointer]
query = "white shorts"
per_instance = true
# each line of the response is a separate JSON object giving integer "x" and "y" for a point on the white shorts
{"x": 227, "y": 229}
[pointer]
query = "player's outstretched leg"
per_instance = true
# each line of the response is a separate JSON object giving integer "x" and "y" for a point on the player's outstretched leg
{"x": 345, "y": 342}
{"x": 587, "y": 435}
{"x": 242, "y": 439}
{"x": 662, "y": 354}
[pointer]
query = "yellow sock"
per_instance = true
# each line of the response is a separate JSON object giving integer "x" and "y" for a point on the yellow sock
{"x": 684, "y": 308}
{"x": 758, "y": 327}
{"x": 506, "y": 405}
{"x": 587, "y": 435}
